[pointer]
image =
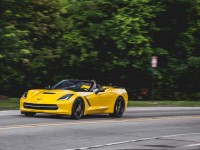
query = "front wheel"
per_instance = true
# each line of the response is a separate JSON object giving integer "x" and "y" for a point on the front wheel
{"x": 118, "y": 108}
{"x": 78, "y": 109}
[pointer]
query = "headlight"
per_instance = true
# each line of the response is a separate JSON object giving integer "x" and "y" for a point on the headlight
{"x": 25, "y": 95}
{"x": 65, "y": 97}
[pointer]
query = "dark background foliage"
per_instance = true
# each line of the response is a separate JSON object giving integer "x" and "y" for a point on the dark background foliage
{"x": 44, "y": 41}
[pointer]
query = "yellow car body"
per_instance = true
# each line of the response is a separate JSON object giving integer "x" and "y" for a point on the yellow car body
{"x": 97, "y": 101}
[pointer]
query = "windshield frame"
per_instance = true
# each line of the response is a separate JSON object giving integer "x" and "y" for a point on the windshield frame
{"x": 74, "y": 84}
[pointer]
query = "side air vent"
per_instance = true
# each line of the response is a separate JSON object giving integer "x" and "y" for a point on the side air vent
{"x": 48, "y": 93}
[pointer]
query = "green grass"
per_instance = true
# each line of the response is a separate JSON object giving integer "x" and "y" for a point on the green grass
{"x": 9, "y": 104}
{"x": 165, "y": 103}
{"x": 13, "y": 103}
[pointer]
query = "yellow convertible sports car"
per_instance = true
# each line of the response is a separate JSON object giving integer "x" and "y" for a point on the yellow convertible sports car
{"x": 75, "y": 98}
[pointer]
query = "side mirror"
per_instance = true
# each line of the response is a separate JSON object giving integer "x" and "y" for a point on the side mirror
{"x": 48, "y": 87}
{"x": 96, "y": 91}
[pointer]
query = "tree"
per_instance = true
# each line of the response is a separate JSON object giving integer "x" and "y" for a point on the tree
{"x": 111, "y": 39}
{"x": 178, "y": 35}
{"x": 29, "y": 32}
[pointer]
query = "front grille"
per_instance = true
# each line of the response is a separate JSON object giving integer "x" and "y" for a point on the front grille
{"x": 41, "y": 106}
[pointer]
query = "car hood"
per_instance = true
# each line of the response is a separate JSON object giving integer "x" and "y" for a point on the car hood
{"x": 46, "y": 96}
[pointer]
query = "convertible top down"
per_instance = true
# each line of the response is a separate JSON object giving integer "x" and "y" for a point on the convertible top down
{"x": 75, "y": 98}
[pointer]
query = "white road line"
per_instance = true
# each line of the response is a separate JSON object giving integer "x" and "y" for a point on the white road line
{"x": 192, "y": 145}
{"x": 137, "y": 140}
{"x": 9, "y": 112}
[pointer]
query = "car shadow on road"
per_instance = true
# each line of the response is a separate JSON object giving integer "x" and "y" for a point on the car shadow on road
{"x": 65, "y": 117}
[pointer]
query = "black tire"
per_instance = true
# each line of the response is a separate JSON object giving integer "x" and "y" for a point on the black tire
{"x": 29, "y": 114}
{"x": 118, "y": 108}
{"x": 78, "y": 109}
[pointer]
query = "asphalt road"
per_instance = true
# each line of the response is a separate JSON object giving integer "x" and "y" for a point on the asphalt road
{"x": 139, "y": 128}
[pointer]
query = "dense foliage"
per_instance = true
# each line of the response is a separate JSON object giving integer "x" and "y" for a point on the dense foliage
{"x": 44, "y": 41}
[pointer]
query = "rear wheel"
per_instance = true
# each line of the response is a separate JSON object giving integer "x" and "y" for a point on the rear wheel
{"x": 29, "y": 114}
{"x": 78, "y": 109}
{"x": 118, "y": 108}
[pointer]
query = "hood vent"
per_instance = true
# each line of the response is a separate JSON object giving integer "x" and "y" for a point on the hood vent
{"x": 48, "y": 93}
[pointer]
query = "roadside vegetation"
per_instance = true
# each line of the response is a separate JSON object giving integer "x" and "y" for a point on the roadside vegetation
{"x": 44, "y": 41}
{"x": 9, "y": 104}
{"x": 13, "y": 103}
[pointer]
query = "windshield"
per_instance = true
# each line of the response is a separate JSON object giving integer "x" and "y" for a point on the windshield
{"x": 74, "y": 85}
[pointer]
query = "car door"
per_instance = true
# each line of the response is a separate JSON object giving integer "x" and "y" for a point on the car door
{"x": 101, "y": 101}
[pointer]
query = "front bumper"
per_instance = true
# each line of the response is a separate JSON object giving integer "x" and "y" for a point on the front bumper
{"x": 62, "y": 107}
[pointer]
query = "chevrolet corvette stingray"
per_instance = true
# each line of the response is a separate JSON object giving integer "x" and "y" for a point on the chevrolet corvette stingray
{"x": 75, "y": 98}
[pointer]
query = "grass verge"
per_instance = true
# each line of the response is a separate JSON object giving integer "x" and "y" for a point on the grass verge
{"x": 9, "y": 104}
{"x": 13, "y": 103}
{"x": 165, "y": 103}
